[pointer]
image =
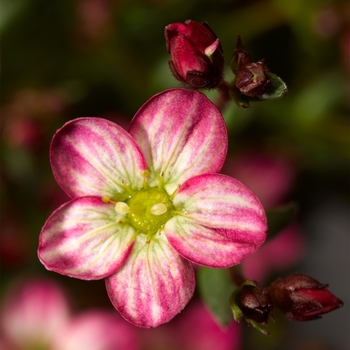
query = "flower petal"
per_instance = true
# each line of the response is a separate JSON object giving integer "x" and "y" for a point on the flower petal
{"x": 84, "y": 239}
{"x": 95, "y": 157}
{"x": 153, "y": 285}
{"x": 221, "y": 221}
{"x": 181, "y": 134}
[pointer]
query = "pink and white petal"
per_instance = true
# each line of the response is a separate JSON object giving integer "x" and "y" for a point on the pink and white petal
{"x": 84, "y": 239}
{"x": 205, "y": 246}
{"x": 181, "y": 134}
{"x": 220, "y": 221}
{"x": 95, "y": 157}
{"x": 153, "y": 285}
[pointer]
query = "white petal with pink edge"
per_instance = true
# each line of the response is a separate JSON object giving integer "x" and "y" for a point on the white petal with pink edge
{"x": 95, "y": 157}
{"x": 181, "y": 134}
{"x": 153, "y": 285}
{"x": 84, "y": 239}
{"x": 219, "y": 221}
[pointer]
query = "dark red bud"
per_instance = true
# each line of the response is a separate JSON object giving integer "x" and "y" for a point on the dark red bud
{"x": 197, "y": 55}
{"x": 252, "y": 80}
{"x": 302, "y": 298}
{"x": 255, "y": 303}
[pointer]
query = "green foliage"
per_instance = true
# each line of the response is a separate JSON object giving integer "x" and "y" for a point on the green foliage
{"x": 215, "y": 289}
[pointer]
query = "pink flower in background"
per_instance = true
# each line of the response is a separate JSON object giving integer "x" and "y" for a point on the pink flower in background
{"x": 194, "y": 329}
{"x": 147, "y": 203}
{"x": 277, "y": 254}
{"x": 36, "y": 315}
{"x": 268, "y": 175}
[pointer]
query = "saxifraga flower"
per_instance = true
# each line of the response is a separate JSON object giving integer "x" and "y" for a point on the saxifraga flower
{"x": 148, "y": 202}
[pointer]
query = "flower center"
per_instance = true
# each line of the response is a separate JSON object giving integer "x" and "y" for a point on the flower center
{"x": 147, "y": 210}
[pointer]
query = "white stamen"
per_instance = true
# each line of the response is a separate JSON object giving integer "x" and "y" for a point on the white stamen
{"x": 158, "y": 209}
{"x": 122, "y": 208}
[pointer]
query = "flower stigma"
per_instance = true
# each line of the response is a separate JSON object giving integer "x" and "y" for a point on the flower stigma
{"x": 149, "y": 210}
{"x": 146, "y": 210}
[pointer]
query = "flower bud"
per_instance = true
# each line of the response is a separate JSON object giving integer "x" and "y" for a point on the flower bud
{"x": 197, "y": 55}
{"x": 302, "y": 298}
{"x": 255, "y": 303}
{"x": 252, "y": 302}
{"x": 252, "y": 79}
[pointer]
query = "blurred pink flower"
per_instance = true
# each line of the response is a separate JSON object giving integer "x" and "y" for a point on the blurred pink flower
{"x": 278, "y": 254}
{"x": 36, "y": 315}
{"x": 94, "y": 20}
{"x": 268, "y": 175}
{"x": 194, "y": 329}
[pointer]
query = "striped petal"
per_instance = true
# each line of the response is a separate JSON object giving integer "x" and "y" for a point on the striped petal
{"x": 181, "y": 134}
{"x": 95, "y": 157}
{"x": 84, "y": 239}
{"x": 153, "y": 285}
{"x": 221, "y": 221}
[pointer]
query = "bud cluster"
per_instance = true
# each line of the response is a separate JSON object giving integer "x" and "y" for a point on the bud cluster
{"x": 299, "y": 297}
{"x": 197, "y": 61}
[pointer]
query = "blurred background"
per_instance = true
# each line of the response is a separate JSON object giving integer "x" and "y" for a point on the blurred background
{"x": 70, "y": 58}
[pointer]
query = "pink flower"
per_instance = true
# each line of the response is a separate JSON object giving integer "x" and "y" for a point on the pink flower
{"x": 277, "y": 254}
{"x": 36, "y": 315}
{"x": 194, "y": 329}
{"x": 197, "y": 55}
{"x": 146, "y": 203}
{"x": 270, "y": 176}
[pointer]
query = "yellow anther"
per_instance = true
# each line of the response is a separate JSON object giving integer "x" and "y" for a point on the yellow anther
{"x": 107, "y": 199}
{"x": 122, "y": 208}
{"x": 158, "y": 209}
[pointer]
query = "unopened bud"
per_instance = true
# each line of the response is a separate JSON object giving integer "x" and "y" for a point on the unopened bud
{"x": 255, "y": 303}
{"x": 197, "y": 55}
{"x": 252, "y": 302}
{"x": 252, "y": 78}
{"x": 302, "y": 298}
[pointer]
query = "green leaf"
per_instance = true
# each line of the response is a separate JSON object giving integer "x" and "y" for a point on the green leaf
{"x": 215, "y": 288}
{"x": 240, "y": 99}
{"x": 276, "y": 89}
{"x": 280, "y": 217}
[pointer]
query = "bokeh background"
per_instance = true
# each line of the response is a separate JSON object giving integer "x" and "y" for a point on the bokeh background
{"x": 62, "y": 59}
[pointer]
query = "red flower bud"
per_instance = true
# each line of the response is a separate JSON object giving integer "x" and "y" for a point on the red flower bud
{"x": 251, "y": 78}
{"x": 255, "y": 303}
{"x": 197, "y": 55}
{"x": 302, "y": 298}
